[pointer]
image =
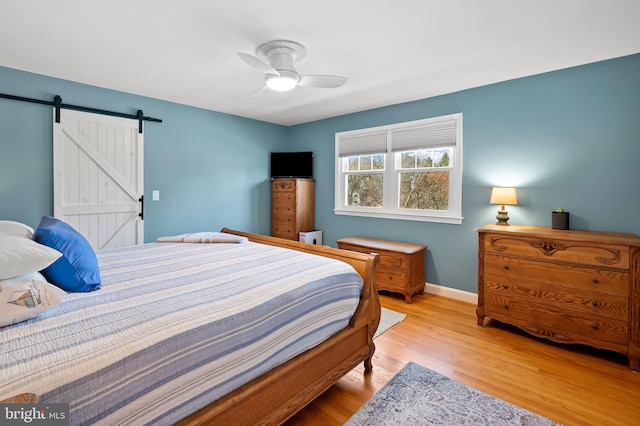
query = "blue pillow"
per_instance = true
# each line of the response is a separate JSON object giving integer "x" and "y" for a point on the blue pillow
{"x": 77, "y": 270}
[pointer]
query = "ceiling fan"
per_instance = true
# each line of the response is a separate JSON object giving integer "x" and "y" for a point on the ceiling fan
{"x": 275, "y": 59}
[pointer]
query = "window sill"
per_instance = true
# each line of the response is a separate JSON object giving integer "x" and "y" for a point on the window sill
{"x": 400, "y": 216}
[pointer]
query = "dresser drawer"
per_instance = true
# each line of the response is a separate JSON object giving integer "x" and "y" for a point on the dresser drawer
{"x": 558, "y": 250}
{"x": 572, "y": 277}
{"x": 577, "y": 301}
{"x": 387, "y": 277}
{"x": 283, "y": 198}
{"x": 392, "y": 260}
{"x": 282, "y": 219}
{"x": 280, "y": 185}
{"x": 283, "y": 209}
{"x": 385, "y": 259}
{"x": 551, "y": 318}
{"x": 283, "y": 231}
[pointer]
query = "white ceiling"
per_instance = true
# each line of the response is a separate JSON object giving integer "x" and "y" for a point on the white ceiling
{"x": 184, "y": 51}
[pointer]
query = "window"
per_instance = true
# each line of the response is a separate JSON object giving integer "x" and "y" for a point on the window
{"x": 410, "y": 171}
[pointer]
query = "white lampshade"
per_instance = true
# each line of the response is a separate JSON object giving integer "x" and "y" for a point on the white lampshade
{"x": 504, "y": 196}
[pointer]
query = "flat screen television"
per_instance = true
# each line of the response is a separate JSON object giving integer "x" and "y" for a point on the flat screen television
{"x": 292, "y": 164}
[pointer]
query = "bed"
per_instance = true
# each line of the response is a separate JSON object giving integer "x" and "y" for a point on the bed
{"x": 278, "y": 366}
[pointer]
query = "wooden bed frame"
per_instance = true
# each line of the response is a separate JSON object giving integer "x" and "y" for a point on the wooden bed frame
{"x": 277, "y": 395}
{"x": 280, "y": 393}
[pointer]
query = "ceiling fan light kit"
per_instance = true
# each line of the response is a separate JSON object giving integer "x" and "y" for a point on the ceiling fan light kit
{"x": 276, "y": 60}
{"x": 281, "y": 83}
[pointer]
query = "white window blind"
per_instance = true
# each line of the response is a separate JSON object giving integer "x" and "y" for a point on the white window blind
{"x": 440, "y": 134}
{"x": 363, "y": 144}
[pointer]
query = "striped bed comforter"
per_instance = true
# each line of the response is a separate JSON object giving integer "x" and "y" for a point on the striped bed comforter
{"x": 175, "y": 327}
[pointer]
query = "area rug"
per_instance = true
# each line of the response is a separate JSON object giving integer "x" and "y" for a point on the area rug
{"x": 388, "y": 319}
{"x": 419, "y": 396}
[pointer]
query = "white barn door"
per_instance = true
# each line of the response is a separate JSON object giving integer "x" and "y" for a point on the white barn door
{"x": 98, "y": 177}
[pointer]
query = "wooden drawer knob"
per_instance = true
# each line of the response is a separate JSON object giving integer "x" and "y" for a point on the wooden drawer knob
{"x": 506, "y": 306}
{"x": 595, "y": 280}
{"x": 506, "y": 267}
{"x": 594, "y": 326}
{"x": 594, "y": 303}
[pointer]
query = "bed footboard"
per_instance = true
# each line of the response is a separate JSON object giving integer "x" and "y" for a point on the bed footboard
{"x": 275, "y": 396}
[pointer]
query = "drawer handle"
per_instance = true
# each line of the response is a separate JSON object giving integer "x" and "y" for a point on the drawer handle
{"x": 505, "y": 286}
{"x": 595, "y": 281}
{"x": 506, "y": 267}
{"x": 595, "y": 304}
{"x": 594, "y": 326}
{"x": 506, "y": 306}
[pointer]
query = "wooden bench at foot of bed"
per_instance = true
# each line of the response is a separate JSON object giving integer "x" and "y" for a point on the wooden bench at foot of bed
{"x": 277, "y": 395}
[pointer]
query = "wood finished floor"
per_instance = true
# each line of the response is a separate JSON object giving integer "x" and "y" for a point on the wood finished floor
{"x": 571, "y": 384}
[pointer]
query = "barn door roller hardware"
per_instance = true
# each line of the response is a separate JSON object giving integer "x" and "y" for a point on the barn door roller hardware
{"x": 57, "y": 104}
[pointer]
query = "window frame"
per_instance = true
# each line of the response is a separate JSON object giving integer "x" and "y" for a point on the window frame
{"x": 391, "y": 174}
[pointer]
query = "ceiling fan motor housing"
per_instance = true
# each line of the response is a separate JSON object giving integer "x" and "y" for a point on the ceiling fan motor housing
{"x": 281, "y": 54}
{"x": 282, "y": 58}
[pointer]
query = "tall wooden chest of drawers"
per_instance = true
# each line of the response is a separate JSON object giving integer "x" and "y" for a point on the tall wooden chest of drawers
{"x": 400, "y": 266}
{"x": 567, "y": 286}
{"x": 291, "y": 207}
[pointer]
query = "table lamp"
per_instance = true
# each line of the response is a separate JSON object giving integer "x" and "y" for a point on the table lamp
{"x": 503, "y": 196}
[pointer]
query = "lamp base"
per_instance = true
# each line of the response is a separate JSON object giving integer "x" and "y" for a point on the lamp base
{"x": 502, "y": 217}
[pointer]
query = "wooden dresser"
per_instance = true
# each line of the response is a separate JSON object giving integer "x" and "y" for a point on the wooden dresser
{"x": 400, "y": 266}
{"x": 291, "y": 207}
{"x": 567, "y": 286}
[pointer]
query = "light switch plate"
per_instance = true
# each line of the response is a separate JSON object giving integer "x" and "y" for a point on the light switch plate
{"x": 155, "y": 196}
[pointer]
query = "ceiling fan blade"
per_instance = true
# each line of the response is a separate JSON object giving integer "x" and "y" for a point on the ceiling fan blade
{"x": 323, "y": 81}
{"x": 258, "y": 64}
{"x": 256, "y": 92}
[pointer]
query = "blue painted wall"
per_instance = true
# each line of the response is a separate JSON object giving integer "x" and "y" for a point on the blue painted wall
{"x": 569, "y": 139}
{"x": 211, "y": 169}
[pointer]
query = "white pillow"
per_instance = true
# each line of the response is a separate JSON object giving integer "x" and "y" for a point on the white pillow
{"x": 25, "y": 297}
{"x": 9, "y": 227}
{"x": 19, "y": 256}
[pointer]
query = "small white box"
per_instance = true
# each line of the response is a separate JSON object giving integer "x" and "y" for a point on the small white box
{"x": 311, "y": 237}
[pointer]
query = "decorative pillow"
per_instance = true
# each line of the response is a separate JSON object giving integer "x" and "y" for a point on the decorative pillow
{"x": 9, "y": 227}
{"x": 19, "y": 256}
{"x": 77, "y": 269}
{"x": 25, "y": 297}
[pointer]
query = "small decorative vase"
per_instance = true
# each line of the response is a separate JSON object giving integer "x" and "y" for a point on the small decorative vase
{"x": 560, "y": 220}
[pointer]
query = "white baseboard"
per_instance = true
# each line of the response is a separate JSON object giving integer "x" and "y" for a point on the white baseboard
{"x": 452, "y": 293}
